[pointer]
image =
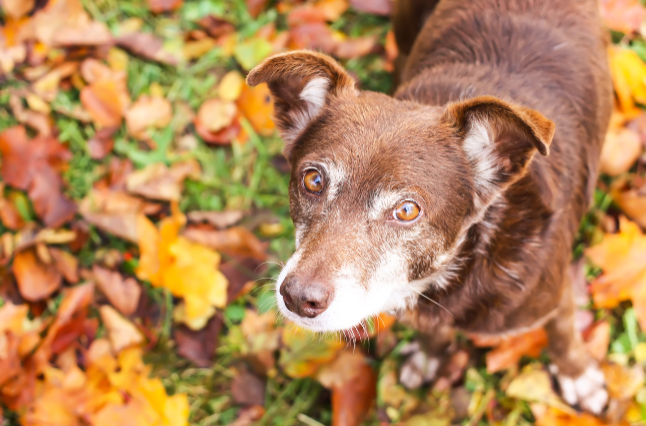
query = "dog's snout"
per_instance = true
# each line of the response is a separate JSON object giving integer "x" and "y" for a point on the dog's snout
{"x": 306, "y": 298}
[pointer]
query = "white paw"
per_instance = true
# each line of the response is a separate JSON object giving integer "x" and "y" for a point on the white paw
{"x": 588, "y": 390}
{"x": 418, "y": 368}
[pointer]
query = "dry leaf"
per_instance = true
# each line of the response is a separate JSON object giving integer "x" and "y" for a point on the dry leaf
{"x": 66, "y": 263}
{"x": 375, "y": 7}
{"x": 257, "y": 105}
{"x": 198, "y": 346}
{"x": 623, "y": 382}
{"x": 158, "y": 6}
{"x": 36, "y": 280}
{"x": 216, "y": 27}
{"x": 632, "y": 201}
{"x": 248, "y": 389}
{"x": 231, "y": 86}
{"x": 354, "y": 387}
{"x": 255, "y": 7}
{"x": 113, "y": 211}
{"x": 597, "y": 340}
{"x": 17, "y": 8}
{"x": 101, "y": 144}
{"x": 147, "y": 46}
{"x": 216, "y": 114}
{"x": 106, "y": 100}
{"x": 629, "y": 78}
{"x": 159, "y": 182}
{"x": 122, "y": 293}
{"x": 622, "y": 15}
{"x": 121, "y": 332}
{"x": 219, "y": 220}
{"x": 355, "y": 47}
{"x": 148, "y": 112}
{"x": 534, "y": 385}
{"x": 621, "y": 257}
{"x": 305, "y": 352}
{"x": 621, "y": 149}
{"x": 509, "y": 350}
{"x": 234, "y": 241}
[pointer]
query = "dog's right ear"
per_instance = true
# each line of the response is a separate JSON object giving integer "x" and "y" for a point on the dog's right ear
{"x": 301, "y": 82}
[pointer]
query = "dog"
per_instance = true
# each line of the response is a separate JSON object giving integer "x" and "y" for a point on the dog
{"x": 454, "y": 202}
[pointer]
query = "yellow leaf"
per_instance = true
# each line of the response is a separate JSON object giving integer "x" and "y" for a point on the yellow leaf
{"x": 121, "y": 332}
{"x": 230, "y": 86}
{"x": 534, "y": 385}
{"x": 305, "y": 351}
{"x": 629, "y": 79}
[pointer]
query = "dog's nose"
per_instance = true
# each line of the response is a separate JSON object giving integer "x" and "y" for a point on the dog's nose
{"x": 306, "y": 299}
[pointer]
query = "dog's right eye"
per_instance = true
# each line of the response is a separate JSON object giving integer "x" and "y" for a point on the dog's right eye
{"x": 313, "y": 181}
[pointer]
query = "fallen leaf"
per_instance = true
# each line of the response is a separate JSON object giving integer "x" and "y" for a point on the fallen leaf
{"x": 222, "y": 137}
{"x": 353, "y": 391}
{"x": 9, "y": 214}
{"x": 187, "y": 269}
{"x": 623, "y": 382}
{"x": 122, "y": 293}
{"x": 255, "y": 7}
{"x": 198, "y": 346}
{"x": 215, "y": 114}
{"x": 148, "y": 112}
{"x": 231, "y": 86}
{"x": 620, "y": 256}
{"x": 36, "y": 280}
{"x": 257, "y": 105}
{"x": 534, "y": 385}
{"x": 106, "y": 100}
{"x": 147, "y": 46}
{"x": 159, "y": 182}
{"x": 252, "y": 52}
{"x": 113, "y": 211}
{"x": 39, "y": 121}
{"x": 235, "y": 241}
{"x": 33, "y": 166}
{"x": 628, "y": 73}
{"x": 215, "y": 26}
{"x": 248, "y": 389}
{"x": 219, "y": 220}
{"x": 632, "y": 201}
{"x": 158, "y": 6}
{"x": 556, "y": 417}
{"x": 597, "y": 340}
{"x": 84, "y": 33}
{"x": 121, "y": 332}
{"x": 375, "y": 7}
{"x": 101, "y": 144}
{"x": 247, "y": 416}
{"x": 622, "y": 15}
{"x": 621, "y": 149}
{"x": 17, "y": 8}
{"x": 509, "y": 350}
{"x": 66, "y": 263}
{"x": 305, "y": 352}
{"x": 355, "y": 47}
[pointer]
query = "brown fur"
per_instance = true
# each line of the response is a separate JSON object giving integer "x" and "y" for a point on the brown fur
{"x": 495, "y": 250}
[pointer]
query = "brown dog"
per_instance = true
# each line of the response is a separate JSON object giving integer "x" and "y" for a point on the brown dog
{"x": 433, "y": 202}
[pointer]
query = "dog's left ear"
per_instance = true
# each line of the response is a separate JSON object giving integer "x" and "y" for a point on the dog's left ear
{"x": 499, "y": 140}
{"x": 301, "y": 82}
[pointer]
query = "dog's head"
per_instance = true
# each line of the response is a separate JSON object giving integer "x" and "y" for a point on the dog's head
{"x": 382, "y": 189}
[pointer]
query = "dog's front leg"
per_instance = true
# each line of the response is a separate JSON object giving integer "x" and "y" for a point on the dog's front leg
{"x": 426, "y": 355}
{"x": 581, "y": 380}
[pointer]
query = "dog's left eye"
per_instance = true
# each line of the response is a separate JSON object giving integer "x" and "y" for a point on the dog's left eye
{"x": 407, "y": 211}
{"x": 313, "y": 181}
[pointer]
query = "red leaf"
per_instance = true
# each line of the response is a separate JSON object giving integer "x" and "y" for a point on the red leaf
{"x": 122, "y": 293}
{"x": 255, "y": 7}
{"x": 199, "y": 346}
{"x": 36, "y": 280}
{"x": 158, "y": 6}
{"x": 376, "y": 7}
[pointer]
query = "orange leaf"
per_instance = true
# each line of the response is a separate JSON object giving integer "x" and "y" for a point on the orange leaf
{"x": 146, "y": 113}
{"x": 622, "y": 15}
{"x": 36, "y": 280}
{"x": 257, "y": 105}
{"x": 106, "y": 100}
{"x": 122, "y": 293}
{"x": 158, "y": 6}
{"x": 510, "y": 350}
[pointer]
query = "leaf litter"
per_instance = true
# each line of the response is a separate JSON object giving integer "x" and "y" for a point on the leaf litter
{"x": 137, "y": 172}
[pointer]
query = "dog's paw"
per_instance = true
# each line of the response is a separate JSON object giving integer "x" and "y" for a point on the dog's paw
{"x": 588, "y": 391}
{"x": 419, "y": 368}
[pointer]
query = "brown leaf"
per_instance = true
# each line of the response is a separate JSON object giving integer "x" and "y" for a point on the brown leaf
{"x": 36, "y": 280}
{"x": 91, "y": 33}
{"x": 622, "y": 15}
{"x": 121, "y": 332}
{"x": 255, "y": 7}
{"x": 199, "y": 345}
{"x": 9, "y": 214}
{"x": 107, "y": 101}
{"x": 147, "y": 46}
{"x": 101, "y": 144}
{"x": 148, "y": 112}
{"x": 113, "y": 211}
{"x": 158, "y": 6}
{"x": 123, "y": 293}
{"x": 66, "y": 263}
{"x": 375, "y": 7}
{"x": 159, "y": 182}
{"x": 355, "y": 47}
{"x": 247, "y": 388}
{"x": 219, "y": 220}
{"x": 17, "y": 8}
{"x": 353, "y": 394}
{"x": 234, "y": 241}
{"x": 247, "y": 416}
{"x": 50, "y": 204}
{"x": 621, "y": 149}
{"x": 317, "y": 36}
{"x": 239, "y": 272}
{"x": 215, "y": 114}
{"x": 38, "y": 121}
{"x": 216, "y": 27}
{"x": 631, "y": 200}
{"x": 10, "y": 365}
{"x": 222, "y": 137}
